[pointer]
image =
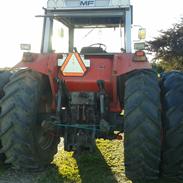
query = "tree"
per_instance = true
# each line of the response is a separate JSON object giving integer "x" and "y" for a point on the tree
{"x": 168, "y": 47}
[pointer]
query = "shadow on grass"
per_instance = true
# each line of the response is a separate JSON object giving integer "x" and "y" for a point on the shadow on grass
{"x": 85, "y": 168}
{"x": 94, "y": 169}
{"x": 51, "y": 175}
{"x": 162, "y": 180}
{"x": 105, "y": 165}
{"x": 4, "y": 168}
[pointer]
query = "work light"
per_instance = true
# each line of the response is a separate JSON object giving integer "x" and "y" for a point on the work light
{"x": 142, "y": 33}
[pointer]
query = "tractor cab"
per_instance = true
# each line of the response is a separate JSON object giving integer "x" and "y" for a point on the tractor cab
{"x": 83, "y": 21}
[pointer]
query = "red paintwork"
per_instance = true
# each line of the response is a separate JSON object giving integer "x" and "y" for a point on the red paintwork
{"x": 106, "y": 68}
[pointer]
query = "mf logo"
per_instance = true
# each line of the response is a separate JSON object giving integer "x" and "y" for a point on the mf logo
{"x": 87, "y": 2}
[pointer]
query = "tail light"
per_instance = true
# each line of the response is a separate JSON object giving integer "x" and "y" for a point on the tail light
{"x": 139, "y": 56}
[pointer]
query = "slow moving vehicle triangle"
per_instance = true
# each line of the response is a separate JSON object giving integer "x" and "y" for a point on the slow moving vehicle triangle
{"x": 73, "y": 65}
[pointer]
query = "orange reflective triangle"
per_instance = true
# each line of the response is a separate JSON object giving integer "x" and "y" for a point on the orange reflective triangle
{"x": 73, "y": 65}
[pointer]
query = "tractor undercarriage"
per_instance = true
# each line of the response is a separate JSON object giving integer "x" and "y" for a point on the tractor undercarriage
{"x": 81, "y": 117}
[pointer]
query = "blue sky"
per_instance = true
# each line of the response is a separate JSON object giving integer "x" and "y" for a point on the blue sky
{"x": 19, "y": 25}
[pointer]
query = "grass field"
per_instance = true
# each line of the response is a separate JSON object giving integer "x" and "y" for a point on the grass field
{"x": 106, "y": 165}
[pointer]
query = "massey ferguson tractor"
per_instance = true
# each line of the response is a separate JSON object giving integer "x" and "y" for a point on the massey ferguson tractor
{"x": 91, "y": 93}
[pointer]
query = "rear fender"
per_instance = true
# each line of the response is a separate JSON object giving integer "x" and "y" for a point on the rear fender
{"x": 45, "y": 64}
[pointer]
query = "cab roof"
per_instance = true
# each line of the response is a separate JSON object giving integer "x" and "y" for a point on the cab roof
{"x": 77, "y": 14}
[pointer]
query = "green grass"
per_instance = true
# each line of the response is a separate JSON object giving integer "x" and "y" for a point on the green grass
{"x": 2, "y": 170}
{"x": 105, "y": 165}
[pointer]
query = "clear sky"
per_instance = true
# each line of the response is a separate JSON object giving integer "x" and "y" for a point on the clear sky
{"x": 19, "y": 25}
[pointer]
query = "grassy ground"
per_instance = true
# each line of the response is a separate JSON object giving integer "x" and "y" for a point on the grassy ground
{"x": 106, "y": 165}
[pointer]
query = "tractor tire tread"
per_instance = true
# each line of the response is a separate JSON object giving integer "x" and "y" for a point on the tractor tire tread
{"x": 172, "y": 166}
{"x": 18, "y": 107}
{"x": 142, "y": 125}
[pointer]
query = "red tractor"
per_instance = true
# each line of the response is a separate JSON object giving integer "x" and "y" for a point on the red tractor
{"x": 81, "y": 96}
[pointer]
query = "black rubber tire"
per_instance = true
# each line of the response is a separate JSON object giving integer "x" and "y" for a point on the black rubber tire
{"x": 23, "y": 141}
{"x": 172, "y": 97}
{"x": 142, "y": 125}
{"x": 4, "y": 78}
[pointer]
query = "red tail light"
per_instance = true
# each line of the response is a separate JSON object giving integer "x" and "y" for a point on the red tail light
{"x": 140, "y": 56}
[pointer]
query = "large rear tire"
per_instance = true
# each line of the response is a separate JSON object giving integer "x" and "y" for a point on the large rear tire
{"x": 4, "y": 78}
{"x": 25, "y": 143}
{"x": 172, "y": 92}
{"x": 142, "y": 125}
